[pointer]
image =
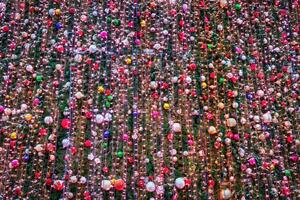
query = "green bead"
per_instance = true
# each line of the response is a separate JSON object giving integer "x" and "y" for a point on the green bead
{"x": 107, "y": 104}
{"x": 120, "y": 154}
{"x": 108, "y": 19}
{"x": 210, "y": 46}
{"x": 221, "y": 80}
{"x": 109, "y": 98}
{"x": 238, "y": 6}
{"x": 288, "y": 172}
{"x": 117, "y": 22}
{"x": 39, "y": 78}
{"x": 105, "y": 145}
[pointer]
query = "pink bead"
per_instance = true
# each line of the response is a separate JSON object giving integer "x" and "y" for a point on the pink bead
{"x": 155, "y": 114}
{"x": 137, "y": 42}
{"x": 36, "y": 102}
{"x": 236, "y": 137}
{"x": 294, "y": 158}
{"x": 252, "y": 161}
{"x": 125, "y": 137}
{"x": 103, "y": 35}
{"x": 190, "y": 142}
{"x": 15, "y": 163}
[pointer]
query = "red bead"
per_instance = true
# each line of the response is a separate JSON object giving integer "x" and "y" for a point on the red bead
{"x": 192, "y": 67}
{"x": 48, "y": 181}
{"x": 166, "y": 170}
{"x": 289, "y": 139}
{"x": 72, "y": 10}
{"x": 88, "y": 143}
{"x": 130, "y": 160}
{"x": 211, "y": 183}
{"x": 119, "y": 184}
{"x": 105, "y": 169}
{"x": 88, "y": 115}
{"x": 187, "y": 182}
{"x": 43, "y": 132}
{"x": 170, "y": 137}
{"x": 5, "y": 28}
{"x": 37, "y": 175}
{"x": 141, "y": 183}
{"x": 66, "y": 123}
{"x": 73, "y": 150}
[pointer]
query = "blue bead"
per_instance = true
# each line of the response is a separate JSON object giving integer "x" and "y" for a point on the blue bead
{"x": 249, "y": 96}
{"x": 26, "y": 158}
{"x": 106, "y": 134}
{"x": 135, "y": 113}
{"x": 58, "y": 25}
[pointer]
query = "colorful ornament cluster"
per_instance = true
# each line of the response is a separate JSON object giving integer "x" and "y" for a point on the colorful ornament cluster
{"x": 156, "y": 99}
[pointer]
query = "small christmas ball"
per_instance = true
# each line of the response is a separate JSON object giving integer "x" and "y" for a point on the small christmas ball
{"x": 48, "y": 120}
{"x": 119, "y": 184}
{"x": 179, "y": 183}
{"x": 106, "y": 185}
{"x": 150, "y": 186}
{"x": 212, "y": 130}
{"x": 231, "y": 122}
{"x": 176, "y": 127}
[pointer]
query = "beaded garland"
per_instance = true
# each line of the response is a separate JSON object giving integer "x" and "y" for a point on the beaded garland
{"x": 156, "y": 99}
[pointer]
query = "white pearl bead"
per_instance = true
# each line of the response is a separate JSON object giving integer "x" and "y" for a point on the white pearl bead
{"x": 106, "y": 184}
{"x": 48, "y": 120}
{"x": 260, "y": 93}
{"x": 179, "y": 183}
{"x": 99, "y": 119}
{"x": 29, "y": 68}
{"x": 231, "y": 122}
{"x": 150, "y": 186}
{"x": 93, "y": 48}
{"x": 267, "y": 118}
{"x": 176, "y": 127}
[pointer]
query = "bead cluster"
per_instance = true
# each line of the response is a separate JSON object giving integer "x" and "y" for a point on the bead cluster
{"x": 159, "y": 99}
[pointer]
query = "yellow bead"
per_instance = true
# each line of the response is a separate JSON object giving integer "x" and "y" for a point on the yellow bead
{"x": 100, "y": 89}
{"x": 143, "y": 23}
{"x": 166, "y": 106}
{"x": 113, "y": 181}
{"x": 204, "y": 85}
{"x": 221, "y": 105}
{"x": 13, "y": 135}
{"x": 28, "y": 117}
{"x": 58, "y": 12}
{"x": 128, "y": 61}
